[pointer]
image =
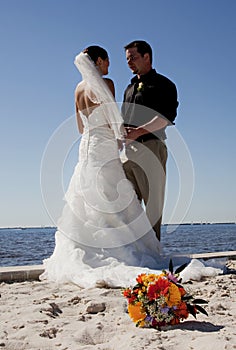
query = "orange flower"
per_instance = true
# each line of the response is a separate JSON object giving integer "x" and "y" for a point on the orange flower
{"x": 174, "y": 297}
{"x": 136, "y": 313}
{"x": 140, "y": 278}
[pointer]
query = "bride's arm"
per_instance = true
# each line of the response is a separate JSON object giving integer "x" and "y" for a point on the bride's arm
{"x": 111, "y": 85}
{"x": 79, "y": 121}
{"x": 78, "y": 118}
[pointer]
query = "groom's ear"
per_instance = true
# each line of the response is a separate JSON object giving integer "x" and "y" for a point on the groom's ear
{"x": 146, "y": 56}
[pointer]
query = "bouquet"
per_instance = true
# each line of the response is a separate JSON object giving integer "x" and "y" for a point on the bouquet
{"x": 160, "y": 300}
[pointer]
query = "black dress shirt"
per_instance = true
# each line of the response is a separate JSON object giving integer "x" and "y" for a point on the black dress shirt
{"x": 144, "y": 98}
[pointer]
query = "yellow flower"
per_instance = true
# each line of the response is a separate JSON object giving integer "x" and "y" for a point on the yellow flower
{"x": 140, "y": 292}
{"x": 149, "y": 278}
{"x": 174, "y": 297}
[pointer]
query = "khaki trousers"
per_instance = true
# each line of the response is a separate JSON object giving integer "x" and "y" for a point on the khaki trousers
{"x": 146, "y": 169}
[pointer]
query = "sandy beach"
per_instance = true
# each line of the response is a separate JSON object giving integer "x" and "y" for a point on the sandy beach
{"x": 47, "y": 316}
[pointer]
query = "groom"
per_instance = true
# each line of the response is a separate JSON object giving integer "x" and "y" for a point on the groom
{"x": 149, "y": 106}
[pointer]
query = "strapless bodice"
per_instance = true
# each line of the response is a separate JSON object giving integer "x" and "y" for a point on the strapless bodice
{"x": 98, "y": 142}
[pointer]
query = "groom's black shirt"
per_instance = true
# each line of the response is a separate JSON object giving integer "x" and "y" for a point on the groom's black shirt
{"x": 144, "y": 97}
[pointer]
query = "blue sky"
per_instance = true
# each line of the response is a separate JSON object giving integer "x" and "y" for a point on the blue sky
{"x": 193, "y": 43}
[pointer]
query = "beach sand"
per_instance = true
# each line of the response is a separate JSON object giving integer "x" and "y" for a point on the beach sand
{"x": 47, "y": 316}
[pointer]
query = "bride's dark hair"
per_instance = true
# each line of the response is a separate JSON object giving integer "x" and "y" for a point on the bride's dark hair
{"x": 96, "y": 51}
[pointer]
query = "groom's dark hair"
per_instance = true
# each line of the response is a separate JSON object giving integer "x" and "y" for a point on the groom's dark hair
{"x": 142, "y": 47}
{"x": 96, "y": 51}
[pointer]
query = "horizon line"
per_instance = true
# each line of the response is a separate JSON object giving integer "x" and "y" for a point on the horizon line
{"x": 164, "y": 224}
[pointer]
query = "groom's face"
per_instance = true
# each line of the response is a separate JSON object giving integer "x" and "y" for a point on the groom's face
{"x": 135, "y": 60}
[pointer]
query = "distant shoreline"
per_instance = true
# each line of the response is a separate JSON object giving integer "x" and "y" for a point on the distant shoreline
{"x": 182, "y": 224}
{"x": 201, "y": 223}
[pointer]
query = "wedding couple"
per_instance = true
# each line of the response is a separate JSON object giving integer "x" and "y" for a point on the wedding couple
{"x": 104, "y": 236}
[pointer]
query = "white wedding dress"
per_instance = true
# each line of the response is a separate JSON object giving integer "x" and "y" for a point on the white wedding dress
{"x": 103, "y": 236}
{"x": 103, "y": 226}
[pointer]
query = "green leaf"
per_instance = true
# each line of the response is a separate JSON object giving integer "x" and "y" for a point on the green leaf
{"x": 191, "y": 310}
{"x": 187, "y": 297}
{"x": 171, "y": 269}
{"x": 181, "y": 268}
{"x": 199, "y": 301}
{"x": 203, "y": 311}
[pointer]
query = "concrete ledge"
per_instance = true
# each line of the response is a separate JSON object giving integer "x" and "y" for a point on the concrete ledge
{"x": 206, "y": 256}
{"x": 32, "y": 272}
{"x": 20, "y": 273}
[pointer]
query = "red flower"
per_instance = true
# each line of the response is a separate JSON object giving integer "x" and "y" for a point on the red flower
{"x": 127, "y": 293}
{"x": 160, "y": 287}
{"x": 182, "y": 311}
{"x": 174, "y": 321}
{"x": 130, "y": 295}
{"x": 182, "y": 291}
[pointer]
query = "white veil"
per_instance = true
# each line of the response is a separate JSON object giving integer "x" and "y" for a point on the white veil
{"x": 98, "y": 92}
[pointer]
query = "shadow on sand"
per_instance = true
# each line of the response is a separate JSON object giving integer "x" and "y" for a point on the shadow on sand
{"x": 206, "y": 327}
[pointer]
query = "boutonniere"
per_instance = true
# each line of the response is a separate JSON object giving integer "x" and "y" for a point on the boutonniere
{"x": 140, "y": 86}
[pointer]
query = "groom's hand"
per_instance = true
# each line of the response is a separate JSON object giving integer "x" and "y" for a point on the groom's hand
{"x": 133, "y": 134}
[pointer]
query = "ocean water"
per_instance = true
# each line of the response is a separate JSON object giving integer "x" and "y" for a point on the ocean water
{"x": 29, "y": 246}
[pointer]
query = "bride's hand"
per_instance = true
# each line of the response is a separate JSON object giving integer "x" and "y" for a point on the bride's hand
{"x": 120, "y": 145}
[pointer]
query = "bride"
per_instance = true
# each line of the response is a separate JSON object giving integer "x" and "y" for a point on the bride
{"x": 103, "y": 236}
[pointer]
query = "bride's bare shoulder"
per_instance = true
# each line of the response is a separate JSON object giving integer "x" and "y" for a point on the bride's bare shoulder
{"x": 80, "y": 93}
{"x": 79, "y": 88}
{"x": 110, "y": 84}
{"x": 83, "y": 100}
